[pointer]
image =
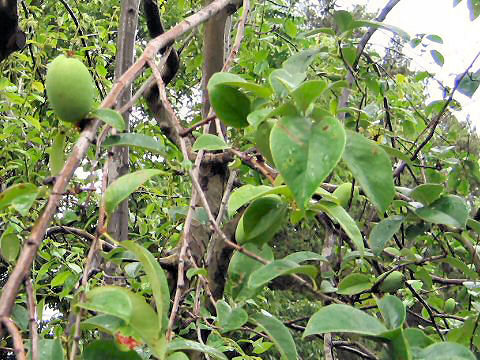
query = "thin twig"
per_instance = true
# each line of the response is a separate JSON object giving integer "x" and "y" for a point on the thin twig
{"x": 18, "y": 346}
{"x": 32, "y": 311}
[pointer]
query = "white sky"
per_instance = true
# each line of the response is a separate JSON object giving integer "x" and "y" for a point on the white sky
{"x": 461, "y": 42}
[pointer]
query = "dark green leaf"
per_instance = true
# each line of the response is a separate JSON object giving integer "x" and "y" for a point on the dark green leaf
{"x": 230, "y": 319}
{"x": 393, "y": 311}
{"x": 279, "y": 334}
{"x": 446, "y": 351}
{"x": 209, "y": 142}
{"x": 121, "y": 188}
{"x": 184, "y": 344}
{"x": 107, "y": 350}
{"x": 135, "y": 140}
{"x": 20, "y": 196}
{"x": 51, "y": 349}
{"x": 309, "y": 91}
{"x": 448, "y": 210}
{"x": 427, "y": 193}
{"x": 383, "y": 232}
{"x": 230, "y": 105}
{"x": 277, "y": 268}
{"x": 375, "y": 177}
{"x": 305, "y": 151}
{"x": 110, "y": 117}
{"x": 354, "y": 284}
{"x": 343, "y": 318}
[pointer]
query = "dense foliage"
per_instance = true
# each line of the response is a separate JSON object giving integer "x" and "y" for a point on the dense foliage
{"x": 323, "y": 209}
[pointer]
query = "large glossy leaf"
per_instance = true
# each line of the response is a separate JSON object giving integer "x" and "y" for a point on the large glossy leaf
{"x": 393, "y": 311}
{"x": 121, "y": 188}
{"x": 354, "y": 284}
{"x": 398, "y": 348}
{"x": 209, "y": 142}
{"x": 427, "y": 193}
{"x": 309, "y": 91}
{"x": 230, "y": 105}
{"x": 372, "y": 168}
{"x": 230, "y": 319}
{"x": 178, "y": 344}
{"x": 305, "y": 151}
{"x": 156, "y": 277}
{"x": 110, "y": 117}
{"x": 344, "y": 219}
{"x": 247, "y": 193}
{"x": 279, "y": 334}
{"x": 383, "y": 232}
{"x": 19, "y": 196}
{"x": 446, "y": 351}
{"x": 131, "y": 308}
{"x": 107, "y": 350}
{"x": 136, "y": 140}
{"x": 107, "y": 323}
{"x": 343, "y": 318}
{"x": 277, "y": 268}
{"x": 447, "y": 210}
{"x": 226, "y": 78}
{"x": 50, "y": 349}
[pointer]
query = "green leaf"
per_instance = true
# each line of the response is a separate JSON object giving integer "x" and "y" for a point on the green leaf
{"x": 9, "y": 246}
{"x": 57, "y": 154}
{"x": 230, "y": 319}
{"x": 474, "y": 8}
{"x": 469, "y": 83}
{"x": 448, "y": 210}
{"x": 20, "y": 196}
{"x": 243, "y": 195}
{"x": 302, "y": 256}
{"x": 305, "y": 151}
{"x": 309, "y": 91}
{"x": 135, "y": 140}
{"x": 226, "y": 78}
{"x": 240, "y": 268}
{"x": 437, "y": 57}
{"x": 383, "y": 232}
{"x": 397, "y": 345}
{"x": 209, "y": 142}
{"x": 277, "y": 268}
{"x": 427, "y": 193}
{"x": 298, "y": 63}
{"x": 107, "y": 323}
{"x": 343, "y": 318}
{"x": 338, "y": 213}
{"x": 344, "y": 20}
{"x": 354, "y": 284}
{"x": 178, "y": 344}
{"x": 230, "y": 105}
{"x": 279, "y": 334}
{"x": 177, "y": 356}
{"x": 417, "y": 338}
{"x": 110, "y": 117}
{"x": 107, "y": 350}
{"x": 21, "y": 317}
{"x": 131, "y": 308}
{"x": 375, "y": 177}
{"x": 380, "y": 25}
{"x": 196, "y": 271}
{"x": 156, "y": 277}
{"x": 50, "y": 349}
{"x": 446, "y": 351}
{"x": 121, "y": 188}
{"x": 393, "y": 311}
{"x": 435, "y": 38}
{"x": 283, "y": 82}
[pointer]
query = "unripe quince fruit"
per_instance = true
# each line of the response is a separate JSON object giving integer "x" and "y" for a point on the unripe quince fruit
{"x": 449, "y": 306}
{"x": 70, "y": 88}
{"x": 392, "y": 282}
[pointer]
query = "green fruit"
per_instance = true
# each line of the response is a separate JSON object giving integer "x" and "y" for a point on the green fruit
{"x": 392, "y": 282}
{"x": 70, "y": 88}
{"x": 449, "y": 306}
{"x": 262, "y": 139}
{"x": 230, "y": 105}
{"x": 261, "y": 220}
{"x": 343, "y": 192}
